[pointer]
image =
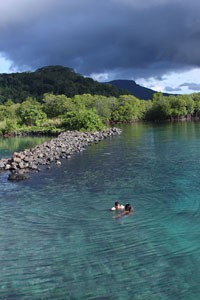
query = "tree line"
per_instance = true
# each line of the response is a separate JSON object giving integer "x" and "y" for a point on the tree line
{"x": 88, "y": 112}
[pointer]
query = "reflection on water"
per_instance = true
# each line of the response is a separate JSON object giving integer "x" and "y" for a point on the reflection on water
{"x": 9, "y": 145}
{"x": 60, "y": 241}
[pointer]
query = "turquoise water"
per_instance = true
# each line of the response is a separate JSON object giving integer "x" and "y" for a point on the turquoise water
{"x": 9, "y": 145}
{"x": 59, "y": 241}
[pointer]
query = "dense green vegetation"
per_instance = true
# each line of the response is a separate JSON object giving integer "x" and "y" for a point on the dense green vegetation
{"x": 87, "y": 112}
{"x": 55, "y": 98}
{"x": 52, "y": 79}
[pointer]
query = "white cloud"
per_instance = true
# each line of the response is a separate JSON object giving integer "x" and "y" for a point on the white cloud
{"x": 5, "y": 65}
{"x": 101, "y": 77}
{"x": 178, "y": 82}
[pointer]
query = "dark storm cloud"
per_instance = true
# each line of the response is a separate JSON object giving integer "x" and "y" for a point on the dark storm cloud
{"x": 125, "y": 38}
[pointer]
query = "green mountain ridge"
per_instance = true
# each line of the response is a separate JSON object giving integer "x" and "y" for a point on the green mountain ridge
{"x": 51, "y": 79}
{"x": 60, "y": 80}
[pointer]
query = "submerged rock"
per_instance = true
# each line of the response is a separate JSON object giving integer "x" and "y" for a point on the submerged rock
{"x": 17, "y": 176}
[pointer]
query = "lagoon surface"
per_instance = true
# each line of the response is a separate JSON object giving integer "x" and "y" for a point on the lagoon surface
{"x": 11, "y": 144}
{"x": 58, "y": 240}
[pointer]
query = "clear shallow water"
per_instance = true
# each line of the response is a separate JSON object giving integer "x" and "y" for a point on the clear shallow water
{"x": 59, "y": 241}
{"x": 9, "y": 145}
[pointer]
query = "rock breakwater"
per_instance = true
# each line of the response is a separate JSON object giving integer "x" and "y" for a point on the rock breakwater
{"x": 62, "y": 147}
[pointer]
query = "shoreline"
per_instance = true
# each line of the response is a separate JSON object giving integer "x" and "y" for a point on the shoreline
{"x": 22, "y": 163}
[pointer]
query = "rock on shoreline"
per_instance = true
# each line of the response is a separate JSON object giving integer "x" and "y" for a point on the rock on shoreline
{"x": 66, "y": 144}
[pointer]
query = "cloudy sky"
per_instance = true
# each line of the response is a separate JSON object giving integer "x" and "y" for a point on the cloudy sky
{"x": 154, "y": 42}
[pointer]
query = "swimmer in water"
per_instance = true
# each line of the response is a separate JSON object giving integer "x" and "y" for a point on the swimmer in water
{"x": 127, "y": 211}
{"x": 118, "y": 206}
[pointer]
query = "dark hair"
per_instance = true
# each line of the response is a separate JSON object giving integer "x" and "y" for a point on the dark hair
{"x": 128, "y": 207}
{"x": 117, "y": 203}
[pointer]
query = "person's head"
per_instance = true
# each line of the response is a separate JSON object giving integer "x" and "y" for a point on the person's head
{"x": 117, "y": 204}
{"x": 128, "y": 207}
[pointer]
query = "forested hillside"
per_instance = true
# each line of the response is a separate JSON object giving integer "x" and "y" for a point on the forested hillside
{"x": 52, "y": 79}
{"x": 55, "y": 99}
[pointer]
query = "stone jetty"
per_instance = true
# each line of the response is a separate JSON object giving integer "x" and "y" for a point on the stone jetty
{"x": 62, "y": 147}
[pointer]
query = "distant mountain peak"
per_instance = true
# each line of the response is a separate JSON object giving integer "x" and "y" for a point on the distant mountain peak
{"x": 134, "y": 88}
